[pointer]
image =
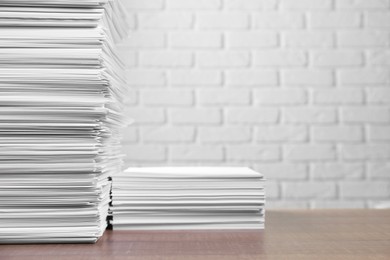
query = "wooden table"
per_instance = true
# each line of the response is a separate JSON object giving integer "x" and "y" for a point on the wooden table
{"x": 317, "y": 234}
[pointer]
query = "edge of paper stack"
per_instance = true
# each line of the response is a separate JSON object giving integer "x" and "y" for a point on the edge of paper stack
{"x": 167, "y": 198}
{"x": 62, "y": 90}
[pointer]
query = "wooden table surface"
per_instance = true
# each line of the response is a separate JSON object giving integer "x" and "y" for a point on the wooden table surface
{"x": 303, "y": 234}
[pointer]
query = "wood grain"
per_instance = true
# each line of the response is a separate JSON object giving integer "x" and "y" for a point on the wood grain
{"x": 304, "y": 234}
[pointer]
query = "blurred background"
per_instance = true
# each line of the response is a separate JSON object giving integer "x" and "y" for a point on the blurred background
{"x": 296, "y": 89}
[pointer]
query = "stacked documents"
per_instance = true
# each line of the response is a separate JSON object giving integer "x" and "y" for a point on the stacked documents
{"x": 188, "y": 198}
{"x": 62, "y": 91}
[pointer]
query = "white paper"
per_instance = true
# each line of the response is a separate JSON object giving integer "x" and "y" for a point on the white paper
{"x": 62, "y": 91}
{"x": 165, "y": 198}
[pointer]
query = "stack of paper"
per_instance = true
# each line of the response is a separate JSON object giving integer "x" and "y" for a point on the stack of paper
{"x": 188, "y": 198}
{"x": 62, "y": 90}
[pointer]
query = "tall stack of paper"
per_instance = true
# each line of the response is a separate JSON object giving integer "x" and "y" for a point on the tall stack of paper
{"x": 61, "y": 99}
{"x": 188, "y": 198}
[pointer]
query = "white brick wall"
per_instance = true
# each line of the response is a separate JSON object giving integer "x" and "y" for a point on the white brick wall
{"x": 297, "y": 89}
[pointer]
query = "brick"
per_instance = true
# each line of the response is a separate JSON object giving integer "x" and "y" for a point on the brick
{"x": 168, "y": 134}
{"x": 336, "y": 58}
{"x": 365, "y": 115}
{"x": 272, "y": 190}
{"x": 337, "y": 171}
{"x": 280, "y": 96}
{"x": 192, "y": 153}
{"x": 378, "y": 57}
{"x": 146, "y": 115}
{"x": 194, "y": 4}
{"x": 333, "y": 20}
{"x": 132, "y": 5}
{"x": 365, "y": 151}
{"x": 283, "y": 171}
{"x": 363, "y": 76}
{"x": 364, "y": 189}
{"x": 379, "y": 133}
{"x": 221, "y": 97}
{"x": 250, "y": 5}
{"x": 378, "y": 95}
{"x": 222, "y": 59}
{"x": 281, "y": 133}
{"x": 195, "y": 77}
{"x": 144, "y": 153}
{"x": 308, "y": 190}
{"x": 200, "y": 40}
{"x": 305, "y": 4}
{"x": 309, "y": 115}
{"x": 337, "y": 96}
{"x": 167, "y": 97}
{"x": 337, "y": 204}
{"x": 130, "y": 135}
{"x": 278, "y": 20}
{"x": 378, "y": 170}
{"x": 303, "y": 39}
{"x": 377, "y": 19}
{"x": 145, "y": 77}
{"x": 252, "y": 153}
{"x": 144, "y": 40}
{"x": 196, "y": 116}
{"x": 339, "y": 133}
{"x": 309, "y": 152}
{"x": 363, "y": 39}
{"x": 306, "y": 77}
{"x": 252, "y": 115}
{"x": 286, "y": 204}
{"x": 251, "y": 39}
{"x": 362, "y": 4}
{"x": 279, "y": 58}
{"x": 160, "y": 20}
{"x": 227, "y": 134}
{"x": 164, "y": 59}
{"x": 128, "y": 57}
{"x": 131, "y": 98}
{"x": 131, "y": 20}
{"x": 246, "y": 77}
{"x": 222, "y": 21}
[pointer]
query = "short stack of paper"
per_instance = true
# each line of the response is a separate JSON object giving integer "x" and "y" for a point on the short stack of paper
{"x": 62, "y": 91}
{"x": 188, "y": 198}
